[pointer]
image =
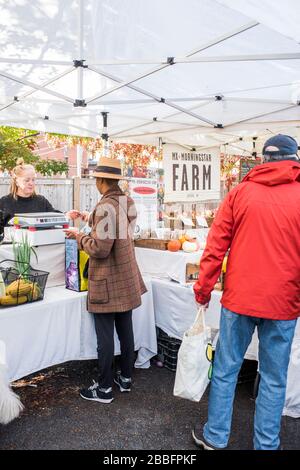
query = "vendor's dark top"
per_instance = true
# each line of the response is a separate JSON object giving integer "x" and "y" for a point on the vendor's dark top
{"x": 11, "y": 206}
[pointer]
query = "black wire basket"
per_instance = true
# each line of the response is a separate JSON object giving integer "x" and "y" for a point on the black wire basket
{"x": 23, "y": 284}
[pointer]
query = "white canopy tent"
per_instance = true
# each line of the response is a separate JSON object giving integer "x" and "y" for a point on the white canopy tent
{"x": 199, "y": 73}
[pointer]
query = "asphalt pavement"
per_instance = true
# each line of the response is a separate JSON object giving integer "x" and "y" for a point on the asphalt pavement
{"x": 149, "y": 417}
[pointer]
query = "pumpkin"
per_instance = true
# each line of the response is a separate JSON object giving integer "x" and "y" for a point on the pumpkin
{"x": 190, "y": 247}
{"x": 174, "y": 245}
{"x": 187, "y": 238}
{"x": 182, "y": 239}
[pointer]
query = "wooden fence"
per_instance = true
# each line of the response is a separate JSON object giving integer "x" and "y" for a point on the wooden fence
{"x": 76, "y": 193}
{"x": 64, "y": 194}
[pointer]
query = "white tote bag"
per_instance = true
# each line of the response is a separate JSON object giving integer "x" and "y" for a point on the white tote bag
{"x": 194, "y": 363}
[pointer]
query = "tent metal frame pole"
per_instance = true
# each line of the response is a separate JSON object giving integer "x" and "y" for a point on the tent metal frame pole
{"x": 191, "y": 99}
{"x": 165, "y": 63}
{"x": 156, "y": 121}
{"x": 266, "y": 87}
{"x": 171, "y": 62}
{"x": 229, "y": 142}
{"x": 192, "y": 108}
{"x": 35, "y": 86}
{"x": 185, "y": 146}
{"x": 165, "y": 132}
{"x": 132, "y": 128}
{"x": 261, "y": 115}
{"x": 239, "y": 58}
{"x": 31, "y": 92}
{"x": 38, "y": 117}
{"x": 189, "y": 60}
{"x": 10, "y": 121}
{"x": 80, "y": 51}
{"x": 145, "y": 121}
{"x": 208, "y": 130}
{"x": 7, "y": 60}
{"x": 256, "y": 100}
{"x": 79, "y": 149}
{"x": 121, "y": 84}
{"x": 243, "y": 126}
{"x": 167, "y": 102}
{"x": 224, "y": 99}
{"x": 156, "y": 98}
{"x": 146, "y": 101}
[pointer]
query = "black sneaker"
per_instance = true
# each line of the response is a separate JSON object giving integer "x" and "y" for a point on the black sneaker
{"x": 123, "y": 383}
{"x": 199, "y": 440}
{"x": 95, "y": 393}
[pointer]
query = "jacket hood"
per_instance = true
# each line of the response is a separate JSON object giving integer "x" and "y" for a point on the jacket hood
{"x": 275, "y": 173}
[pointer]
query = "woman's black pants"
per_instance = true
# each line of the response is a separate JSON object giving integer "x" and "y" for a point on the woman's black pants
{"x": 104, "y": 324}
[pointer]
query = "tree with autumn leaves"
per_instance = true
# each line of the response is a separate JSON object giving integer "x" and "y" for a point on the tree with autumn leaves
{"x": 20, "y": 143}
{"x": 16, "y": 143}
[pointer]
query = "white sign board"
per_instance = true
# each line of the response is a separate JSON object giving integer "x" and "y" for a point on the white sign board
{"x": 144, "y": 193}
{"x": 191, "y": 176}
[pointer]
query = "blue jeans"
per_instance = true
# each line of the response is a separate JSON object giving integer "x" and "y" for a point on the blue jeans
{"x": 275, "y": 340}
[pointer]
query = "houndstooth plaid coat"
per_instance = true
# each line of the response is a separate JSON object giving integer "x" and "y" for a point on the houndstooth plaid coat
{"x": 115, "y": 283}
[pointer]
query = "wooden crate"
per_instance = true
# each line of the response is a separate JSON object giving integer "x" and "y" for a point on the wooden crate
{"x": 154, "y": 243}
{"x": 192, "y": 273}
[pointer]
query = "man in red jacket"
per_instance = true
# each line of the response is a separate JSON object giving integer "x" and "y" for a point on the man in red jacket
{"x": 259, "y": 221}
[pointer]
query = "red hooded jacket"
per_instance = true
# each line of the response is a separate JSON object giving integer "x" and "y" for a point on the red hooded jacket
{"x": 259, "y": 220}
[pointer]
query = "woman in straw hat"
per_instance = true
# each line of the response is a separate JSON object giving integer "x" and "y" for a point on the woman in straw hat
{"x": 115, "y": 283}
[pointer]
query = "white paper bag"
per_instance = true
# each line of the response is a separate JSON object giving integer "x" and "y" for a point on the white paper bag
{"x": 193, "y": 365}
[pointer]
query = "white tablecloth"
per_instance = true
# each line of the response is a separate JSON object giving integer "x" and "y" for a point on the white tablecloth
{"x": 51, "y": 258}
{"x": 175, "y": 311}
{"x": 59, "y": 329}
{"x": 164, "y": 264}
{"x": 175, "y": 307}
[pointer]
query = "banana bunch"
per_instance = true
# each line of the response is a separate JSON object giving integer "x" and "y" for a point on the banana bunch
{"x": 10, "y": 300}
{"x": 20, "y": 292}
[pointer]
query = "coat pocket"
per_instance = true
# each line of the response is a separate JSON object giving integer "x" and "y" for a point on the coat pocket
{"x": 98, "y": 291}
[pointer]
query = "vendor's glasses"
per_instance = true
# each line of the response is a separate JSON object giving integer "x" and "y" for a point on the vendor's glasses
{"x": 209, "y": 357}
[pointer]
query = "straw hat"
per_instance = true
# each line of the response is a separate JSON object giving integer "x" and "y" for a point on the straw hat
{"x": 108, "y": 168}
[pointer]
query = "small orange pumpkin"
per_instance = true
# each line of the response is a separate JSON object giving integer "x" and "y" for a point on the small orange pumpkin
{"x": 174, "y": 245}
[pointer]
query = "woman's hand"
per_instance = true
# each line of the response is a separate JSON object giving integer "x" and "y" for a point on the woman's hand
{"x": 73, "y": 215}
{"x": 85, "y": 215}
{"x": 71, "y": 232}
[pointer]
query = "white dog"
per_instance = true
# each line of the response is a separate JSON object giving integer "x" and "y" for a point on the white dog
{"x": 10, "y": 404}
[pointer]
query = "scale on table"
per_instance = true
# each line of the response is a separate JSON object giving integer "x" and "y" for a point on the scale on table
{"x": 42, "y": 228}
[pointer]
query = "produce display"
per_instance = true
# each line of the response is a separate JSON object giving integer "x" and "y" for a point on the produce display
{"x": 190, "y": 247}
{"x": 21, "y": 291}
{"x": 174, "y": 245}
{"x": 187, "y": 243}
{"x": 19, "y": 282}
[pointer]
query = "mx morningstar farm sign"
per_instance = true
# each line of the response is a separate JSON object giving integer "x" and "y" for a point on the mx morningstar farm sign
{"x": 191, "y": 176}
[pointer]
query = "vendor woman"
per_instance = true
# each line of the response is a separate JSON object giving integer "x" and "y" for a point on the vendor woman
{"x": 22, "y": 197}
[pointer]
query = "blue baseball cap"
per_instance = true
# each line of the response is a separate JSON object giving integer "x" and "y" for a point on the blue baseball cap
{"x": 281, "y": 147}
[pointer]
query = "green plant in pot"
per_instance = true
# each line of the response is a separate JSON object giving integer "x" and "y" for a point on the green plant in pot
{"x": 24, "y": 285}
{"x": 22, "y": 253}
